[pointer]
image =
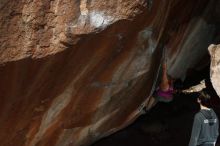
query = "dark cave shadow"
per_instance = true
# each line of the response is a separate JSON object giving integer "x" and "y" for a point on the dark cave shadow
{"x": 167, "y": 124}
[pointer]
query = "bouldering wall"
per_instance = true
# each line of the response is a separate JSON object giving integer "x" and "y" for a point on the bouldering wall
{"x": 214, "y": 51}
{"x": 75, "y": 71}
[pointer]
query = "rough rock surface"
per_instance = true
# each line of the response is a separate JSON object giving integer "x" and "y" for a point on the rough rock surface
{"x": 214, "y": 51}
{"x": 74, "y": 71}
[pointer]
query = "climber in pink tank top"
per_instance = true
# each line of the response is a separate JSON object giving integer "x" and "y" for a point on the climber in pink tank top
{"x": 163, "y": 93}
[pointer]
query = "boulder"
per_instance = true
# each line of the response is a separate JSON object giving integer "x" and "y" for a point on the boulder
{"x": 214, "y": 51}
{"x": 72, "y": 72}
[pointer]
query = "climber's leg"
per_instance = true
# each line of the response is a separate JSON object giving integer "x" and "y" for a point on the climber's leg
{"x": 164, "y": 84}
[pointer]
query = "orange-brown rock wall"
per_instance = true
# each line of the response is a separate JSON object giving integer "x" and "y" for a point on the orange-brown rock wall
{"x": 75, "y": 71}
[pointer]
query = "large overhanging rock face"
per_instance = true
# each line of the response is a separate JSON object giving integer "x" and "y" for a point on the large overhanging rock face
{"x": 214, "y": 51}
{"x": 74, "y": 71}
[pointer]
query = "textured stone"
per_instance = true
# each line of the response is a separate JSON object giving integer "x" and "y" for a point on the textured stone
{"x": 75, "y": 71}
{"x": 214, "y": 51}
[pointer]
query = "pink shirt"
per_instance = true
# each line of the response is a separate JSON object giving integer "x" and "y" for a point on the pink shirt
{"x": 165, "y": 94}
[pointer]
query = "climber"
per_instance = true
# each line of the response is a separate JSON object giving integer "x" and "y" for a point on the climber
{"x": 206, "y": 124}
{"x": 164, "y": 92}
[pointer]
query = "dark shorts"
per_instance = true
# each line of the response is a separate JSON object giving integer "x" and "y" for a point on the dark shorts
{"x": 168, "y": 97}
{"x": 162, "y": 99}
